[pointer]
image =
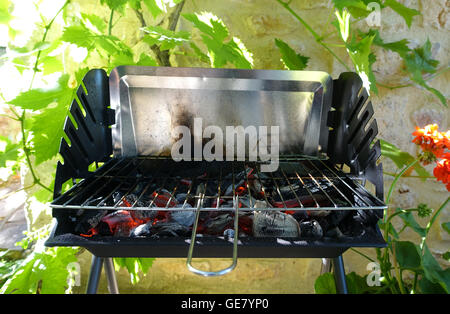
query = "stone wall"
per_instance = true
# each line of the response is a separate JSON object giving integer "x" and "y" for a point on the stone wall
{"x": 257, "y": 23}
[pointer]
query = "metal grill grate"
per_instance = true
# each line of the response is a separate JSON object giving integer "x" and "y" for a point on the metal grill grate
{"x": 295, "y": 186}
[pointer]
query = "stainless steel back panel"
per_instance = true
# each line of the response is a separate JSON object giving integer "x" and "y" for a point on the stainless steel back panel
{"x": 150, "y": 102}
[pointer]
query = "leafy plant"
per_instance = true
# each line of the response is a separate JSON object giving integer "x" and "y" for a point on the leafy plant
{"x": 134, "y": 266}
{"x": 402, "y": 257}
{"x": 291, "y": 59}
{"x": 214, "y": 34}
{"x": 360, "y": 46}
{"x": 44, "y": 270}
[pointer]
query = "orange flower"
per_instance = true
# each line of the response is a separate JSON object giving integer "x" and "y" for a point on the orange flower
{"x": 442, "y": 172}
{"x": 431, "y": 140}
{"x": 435, "y": 145}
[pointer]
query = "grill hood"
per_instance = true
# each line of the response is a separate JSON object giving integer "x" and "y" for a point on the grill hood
{"x": 150, "y": 102}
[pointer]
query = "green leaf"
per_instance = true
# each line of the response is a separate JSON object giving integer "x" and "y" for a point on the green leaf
{"x": 117, "y": 5}
{"x": 401, "y": 158}
{"x": 428, "y": 287}
{"x": 135, "y": 4}
{"x": 418, "y": 62}
{"x": 407, "y": 254}
{"x": 420, "y": 59}
{"x": 401, "y": 46}
{"x": 96, "y": 21}
{"x": 5, "y": 17}
{"x": 8, "y": 150}
{"x": 47, "y": 128}
{"x": 167, "y": 39}
{"x": 357, "y": 8}
{"x": 433, "y": 271}
{"x": 446, "y": 226}
{"x": 357, "y": 284}
{"x": 220, "y": 52}
{"x": 122, "y": 59}
{"x": 51, "y": 65}
{"x": 44, "y": 273}
{"x": 156, "y": 7}
{"x": 325, "y": 284}
{"x": 291, "y": 59}
{"x": 359, "y": 50}
{"x": 39, "y": 98}
{"x": 360, "y": 54}
{"x": 403, "y": 11}
{"x": 81, "y": 36}
{"x": 203, "y": 57}
{"x": 80, "y": 73}
{"x": 43, "y": 195}
{"x": 409, "y": 220}
{"x": 78, "y": 35}
{"x": 146, "y": 60}
{"x": 133, "y": 266}
{"x": 7, "y": 268}
{"x": 145, "y": 264}
{"x": 209, "y": 24}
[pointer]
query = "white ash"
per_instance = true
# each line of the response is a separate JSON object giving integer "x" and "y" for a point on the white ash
{"x": 274, "y": 224}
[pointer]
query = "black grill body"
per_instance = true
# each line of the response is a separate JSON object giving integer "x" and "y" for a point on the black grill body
{"x": 350, "y": 144}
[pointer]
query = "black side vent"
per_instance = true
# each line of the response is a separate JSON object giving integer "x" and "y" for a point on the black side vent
{"x": 90, "y": 139}
{"x": 353, "y": 130}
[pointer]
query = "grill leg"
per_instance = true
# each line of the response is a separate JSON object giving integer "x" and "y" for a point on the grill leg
{"x": 94, "y": 275}
{"x": 326, "y": 266}
{"x": 111, "y": 276}
{"x": 339, "y": 275}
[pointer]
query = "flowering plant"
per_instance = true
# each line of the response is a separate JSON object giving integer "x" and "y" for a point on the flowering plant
{"x": 435, "y": 147}
{"x": 405, "y": 266}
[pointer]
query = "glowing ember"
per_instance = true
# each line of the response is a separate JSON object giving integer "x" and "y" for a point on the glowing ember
{"x": 178, "y": 220}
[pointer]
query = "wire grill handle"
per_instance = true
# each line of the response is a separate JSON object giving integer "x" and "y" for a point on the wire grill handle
{"x": 192, "y": 244}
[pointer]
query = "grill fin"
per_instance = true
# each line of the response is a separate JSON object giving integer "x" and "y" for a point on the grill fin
{"x": 91, "y": 141}
{"x": 354, "y": 129}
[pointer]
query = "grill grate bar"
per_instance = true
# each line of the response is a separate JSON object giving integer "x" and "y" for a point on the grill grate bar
{"x": 144, "y": 190}
{"x": 250, "y": 198}
{"x": 188, "y": 193}
{"x": 126, "y": 194}
{"x": 109, "y": 195}
{"x": 333, "y": 185}
{"x": 219, "y": 189}
{"x": 307, "y": 189}
{"x": 95, "y": 181}
{"x": 80, "y": 185}
{"x": 343, "y": 181}
{"x": 303, "y": 185}
{"x": 114, "y": 190}
{"x": 158, "y": 192}
{"x": 278, "y": 191}
{"x": 292, "y": 189}
{"x": 319, "y": 186}
{"x": 262, "y": 186}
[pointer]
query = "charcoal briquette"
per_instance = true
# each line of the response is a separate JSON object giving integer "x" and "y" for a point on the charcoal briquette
{"x": 90, "y": 219}
{"x": 311, "y": 229}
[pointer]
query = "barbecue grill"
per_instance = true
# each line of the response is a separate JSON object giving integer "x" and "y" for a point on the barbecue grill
{"x": 137, "y": 202}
